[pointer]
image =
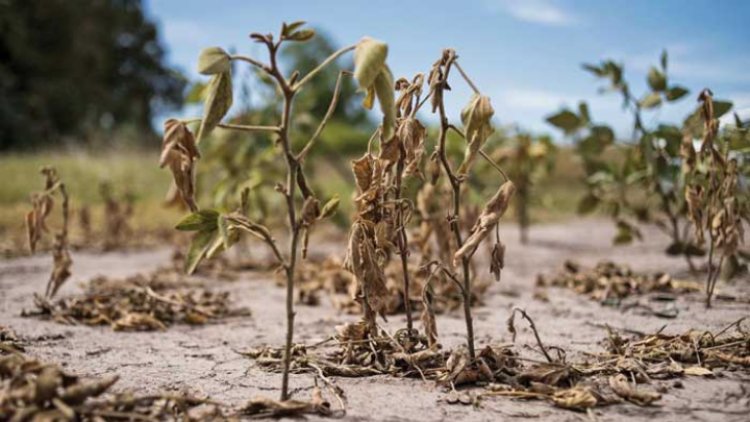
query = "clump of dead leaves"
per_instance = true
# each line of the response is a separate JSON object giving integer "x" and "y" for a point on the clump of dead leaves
{"x": 609, "y": 282}
{"x": 356, "y": 351}
{"x": 139, "y": 303}
{"x": 327, "y": 277}
{"x": 32, "y": 390}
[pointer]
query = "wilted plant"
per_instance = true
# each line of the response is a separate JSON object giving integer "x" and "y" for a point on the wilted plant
{"x": 476, "y": 118}
{"x": 651, "y": 160}
{"x": 218, "y": 231}
{"x": 712, "y": 192}
{"x": 526, "y": 159}
{"x": 117, "y": 212}
{"x": 36, "y": 226}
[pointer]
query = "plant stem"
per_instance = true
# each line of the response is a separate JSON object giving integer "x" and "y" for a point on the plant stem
{"x": 454, "y": 217}
{"x": 322, "y": 65}
{"x": 403, "y": 244}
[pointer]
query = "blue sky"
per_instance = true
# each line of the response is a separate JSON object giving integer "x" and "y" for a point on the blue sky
{"x": 525, "y": 55}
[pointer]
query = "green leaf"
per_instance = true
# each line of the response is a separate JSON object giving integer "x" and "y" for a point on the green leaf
{"x": 596, "y": 70}
{"x": 664, "y": 59}
{"x": 196, "y": 93}
{"x": 587, "y": 204}
{"x": 721, "y": 108}
{"x": 657, "y": 80}
{"x": 676, "y": 92}
{"x": 369, "y": 60}
{"x": 302, "y": 35}
{"x": 198, "y": 249}
{"x": 583, "y": 112}
{"x": 566, "y": 120}
{"x": 213, "y": 61}
{"x": 217, "y": 104}
{"x": 651, "y": 100}
{"x": 603, "y": 134}
{"x": 672, "y": 136}
{"x": 200, "y": 220}
{"x": 288, "y": 29}
{"x": 223, "y": 230}
{"x": 330, "y": 207}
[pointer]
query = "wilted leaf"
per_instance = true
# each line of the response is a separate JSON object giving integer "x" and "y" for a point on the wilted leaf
{"x": 218, "y": 102}
{"x": 369, "y": 60}
{"x": 493, "y": 210}
{"x": 180, "y": 153}
{"x": 386, "y": 98}
{"x": 476, "y": 117}
{"x": 576, "y": 398}
{"x": 624, "y": 389}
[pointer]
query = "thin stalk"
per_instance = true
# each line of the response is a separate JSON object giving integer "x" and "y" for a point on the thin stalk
{"x": 329, "y": 113}
{"x": 403, "y": 244}
{"x": 454, "y": 218}
{"x": 322, "y": 65}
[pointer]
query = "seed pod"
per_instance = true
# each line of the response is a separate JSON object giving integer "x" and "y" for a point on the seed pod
{"x": 386, "y": 98}
{"x": 213, "y": 60}
{"x": 369, "y": 59}
{"x": 497, "y": 260}
{"x": 493, "y": 210}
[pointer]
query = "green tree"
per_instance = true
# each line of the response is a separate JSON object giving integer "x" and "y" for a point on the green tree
{"x": 74, "y": 68}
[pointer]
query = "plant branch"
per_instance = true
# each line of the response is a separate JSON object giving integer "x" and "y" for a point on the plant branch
{"x": 252, "y": 61}
{"x": 322, "y": 66}
{"x": 466, "y": 77}
{"x": 329, "y": 113}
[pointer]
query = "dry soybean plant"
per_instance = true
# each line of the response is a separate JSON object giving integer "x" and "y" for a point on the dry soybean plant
{"x": 218, "y": 231}
{"x": 712, "y": 193}
{"x": 476, "y": 118}
{"x": 36, "y": 226}
{"x": 526, "y": 158}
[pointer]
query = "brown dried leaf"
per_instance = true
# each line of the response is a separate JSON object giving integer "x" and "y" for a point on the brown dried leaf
{"x": 179, "y": 152}
{"x": 576, "y": 398}
{"x": 620, "y": 385}
{"x": 491, "y": 214}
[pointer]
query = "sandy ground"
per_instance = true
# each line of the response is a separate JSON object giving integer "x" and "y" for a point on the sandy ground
{"x": 203, "y": 359}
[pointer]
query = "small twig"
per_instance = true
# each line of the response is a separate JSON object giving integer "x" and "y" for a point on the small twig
{"x": 466, "y": 77}
{"x": 321, "y": 66}
{"x": 252, "y": 61}
{"x": 536, "y": 333}
{"x": 331, "y": 108}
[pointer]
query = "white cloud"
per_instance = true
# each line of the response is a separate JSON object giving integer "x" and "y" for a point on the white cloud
{"x": 543, "y": 12}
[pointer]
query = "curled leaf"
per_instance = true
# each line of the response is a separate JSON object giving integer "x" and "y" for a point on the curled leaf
{"x": 476, "y": 117}
{"x": 493, "y": 210}
{"x": 180, "y": 153}
{"x": 369, "y": 59}
{"x": 386, "y": 98}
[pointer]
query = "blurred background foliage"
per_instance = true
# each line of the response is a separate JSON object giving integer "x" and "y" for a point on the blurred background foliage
{"x": 80, "y": 72}
{"x": 85, "y": 85}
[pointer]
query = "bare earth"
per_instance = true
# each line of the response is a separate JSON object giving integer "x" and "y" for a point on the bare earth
{"x": 203, "y": 359}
